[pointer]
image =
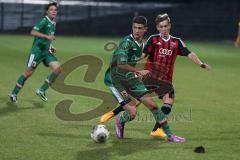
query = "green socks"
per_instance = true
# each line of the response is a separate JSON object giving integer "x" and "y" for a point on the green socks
{"x": 50, "y": 79}
{"x": 160, "y": 117}
{"x": 124, "y": 117}
{"x": 20, "y": 82}
{"x": 167, "y": 130}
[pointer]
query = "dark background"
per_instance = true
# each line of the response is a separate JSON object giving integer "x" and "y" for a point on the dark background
{"x": 205, "y": 20}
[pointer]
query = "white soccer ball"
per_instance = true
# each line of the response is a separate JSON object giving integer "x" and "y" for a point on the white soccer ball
{"x": 100, "y": 133}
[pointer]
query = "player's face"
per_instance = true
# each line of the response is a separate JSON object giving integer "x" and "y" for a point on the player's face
{"x": 164, "y": 28}
{"x": 52, "y": 12}
{"x": 138, "y": 30}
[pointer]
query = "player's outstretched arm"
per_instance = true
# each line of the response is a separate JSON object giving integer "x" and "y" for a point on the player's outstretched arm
{"x": 237, "y": 41}
{"x": 41, "y": 35}
{"x": 193, "y": 57}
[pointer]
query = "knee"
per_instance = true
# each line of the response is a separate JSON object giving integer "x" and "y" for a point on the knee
{"x": 57, "y": 70}
{"x": 132, "y": 113}
{"x": 28, "y": 73}
{"x": 166, "y": 108}
{"x": 152, "y": 106}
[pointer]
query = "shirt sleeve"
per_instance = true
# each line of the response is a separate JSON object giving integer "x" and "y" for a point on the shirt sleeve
{"x": 40, "y": 25}
{"x": 148, "y": 46}
{"x": 183, "y": 50}
{"x": 122, "y": 52}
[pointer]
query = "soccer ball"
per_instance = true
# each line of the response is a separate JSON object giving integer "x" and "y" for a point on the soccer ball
{"x": 100, "y": 133}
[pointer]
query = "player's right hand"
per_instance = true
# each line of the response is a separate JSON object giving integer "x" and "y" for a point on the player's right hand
{"x": 52, "y": 50}
{"x": 51, "y": 37}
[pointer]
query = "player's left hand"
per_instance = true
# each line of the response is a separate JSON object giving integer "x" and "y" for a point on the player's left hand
{"x": 52, "y": 50}
{"x": 205, "y": 66}
{"x": 143, "y": 73}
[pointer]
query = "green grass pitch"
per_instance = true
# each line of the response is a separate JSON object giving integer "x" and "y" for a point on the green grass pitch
{"x": 206, "y": 110}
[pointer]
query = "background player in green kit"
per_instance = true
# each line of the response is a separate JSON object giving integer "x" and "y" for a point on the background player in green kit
{"x": 124, "y": 80}
{"x": 42, "y": 51}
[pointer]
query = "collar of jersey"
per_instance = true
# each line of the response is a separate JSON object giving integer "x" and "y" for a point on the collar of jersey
{"x": 136, "y": 41}
{"x": 50, "y": 20}
{"x": 165, "y": 39}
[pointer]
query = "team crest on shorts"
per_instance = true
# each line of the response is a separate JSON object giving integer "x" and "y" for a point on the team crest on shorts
{"x": 124, "y": 93}
{"x": 34, "y": 64}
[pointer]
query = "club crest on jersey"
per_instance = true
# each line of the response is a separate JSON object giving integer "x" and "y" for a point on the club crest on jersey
{"x": 173, "y": 44}
{"x": 134, "y": 58}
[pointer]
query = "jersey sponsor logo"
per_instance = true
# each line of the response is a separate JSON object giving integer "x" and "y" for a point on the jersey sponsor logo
{"x": 164, "y": 52}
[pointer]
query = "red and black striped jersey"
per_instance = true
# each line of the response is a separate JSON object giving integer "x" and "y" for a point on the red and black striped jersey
{"x": 162, "y": 54}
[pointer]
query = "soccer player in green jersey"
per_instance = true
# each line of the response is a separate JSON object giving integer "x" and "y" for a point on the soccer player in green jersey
{"x": 124, "y": 80}
{"x": 42, "y": 51}
{"x": 162, "y": 50}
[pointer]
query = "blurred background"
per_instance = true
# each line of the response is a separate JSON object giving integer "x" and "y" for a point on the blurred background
{"x": 192, "y": 19}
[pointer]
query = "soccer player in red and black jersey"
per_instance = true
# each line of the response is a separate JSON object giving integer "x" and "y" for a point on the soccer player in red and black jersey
{"x": 161, "y": 51}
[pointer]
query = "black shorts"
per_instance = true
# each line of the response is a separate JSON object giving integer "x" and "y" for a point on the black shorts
{"x": 160, "y": 87}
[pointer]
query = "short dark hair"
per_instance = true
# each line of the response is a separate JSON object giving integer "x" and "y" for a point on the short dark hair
{"x": 162, "y": 17}
{"x": 140, "y": 20}
{"x": 51, "y": 4}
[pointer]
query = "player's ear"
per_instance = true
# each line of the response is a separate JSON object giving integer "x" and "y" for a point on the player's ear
{"x": 145, "y": 29}
{"x": 157, "y": 27}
